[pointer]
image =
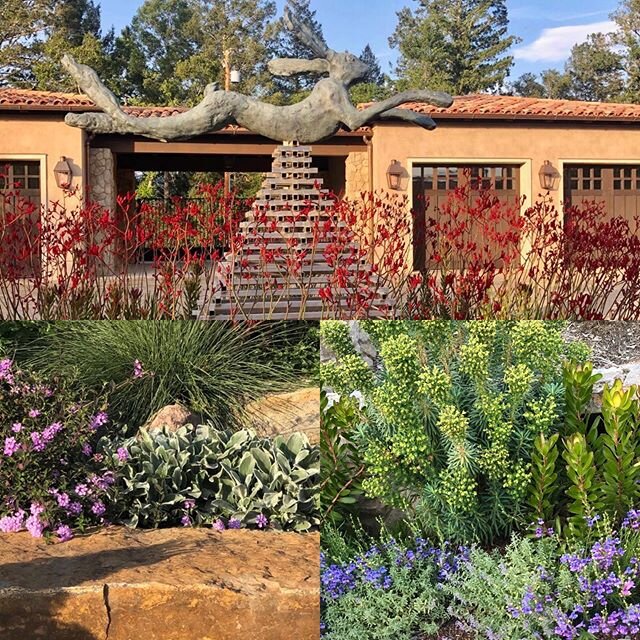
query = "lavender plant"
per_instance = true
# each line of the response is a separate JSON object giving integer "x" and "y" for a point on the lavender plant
{"x": 49, "y": 478}
{"x": 390, "y": 591}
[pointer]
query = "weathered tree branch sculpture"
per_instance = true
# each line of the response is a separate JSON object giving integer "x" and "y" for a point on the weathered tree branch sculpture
{"x": 320, "y": 116}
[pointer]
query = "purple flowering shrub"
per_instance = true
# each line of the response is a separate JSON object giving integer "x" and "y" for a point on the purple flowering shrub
{"x": 49, "y": 474}
{"x": 542, "y": 588}
{"x": 391, "y": 591}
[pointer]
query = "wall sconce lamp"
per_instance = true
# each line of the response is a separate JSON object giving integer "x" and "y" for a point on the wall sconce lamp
{"x": 63, "y": 174}
{"x": 549, "y": 177}
{"x": 395, "y": 173}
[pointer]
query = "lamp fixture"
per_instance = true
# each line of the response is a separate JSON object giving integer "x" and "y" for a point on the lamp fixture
{"x": 63, "y": 174}
{"x": 395, "y": 173}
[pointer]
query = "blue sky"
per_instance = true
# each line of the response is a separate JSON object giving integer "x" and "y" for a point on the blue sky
{"x": 548, "y": 29}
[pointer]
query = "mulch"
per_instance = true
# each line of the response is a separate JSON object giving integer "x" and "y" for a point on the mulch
{"x": 613, "y": 343}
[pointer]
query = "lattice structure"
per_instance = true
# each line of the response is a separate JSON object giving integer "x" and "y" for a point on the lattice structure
{"x": 285, "y": 218}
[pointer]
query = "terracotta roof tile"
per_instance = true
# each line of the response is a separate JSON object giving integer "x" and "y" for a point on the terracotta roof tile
{"x": 491, "y": 106}
{"x": 481, "y": 106}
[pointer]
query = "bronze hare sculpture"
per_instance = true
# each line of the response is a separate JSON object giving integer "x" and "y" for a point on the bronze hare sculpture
{"x": 319, "y": 116}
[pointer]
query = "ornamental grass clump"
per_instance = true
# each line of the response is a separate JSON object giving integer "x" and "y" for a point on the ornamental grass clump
{"x": 209, "y": 476}
{"x": 451, "y": 416}
{"x": 49, "y": 478}
{"x": 214, "y": 369}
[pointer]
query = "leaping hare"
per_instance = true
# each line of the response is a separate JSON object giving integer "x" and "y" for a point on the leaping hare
{"x": 319, "y": 116}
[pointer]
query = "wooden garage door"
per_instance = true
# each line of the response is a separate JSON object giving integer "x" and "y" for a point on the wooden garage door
{"x": 618, "y": 186}
{"x": 20, "y": 251}
{"x": 433, "y": 184}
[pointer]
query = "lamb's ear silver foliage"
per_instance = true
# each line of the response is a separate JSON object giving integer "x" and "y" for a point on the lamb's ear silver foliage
{"x": 316, "y": 118}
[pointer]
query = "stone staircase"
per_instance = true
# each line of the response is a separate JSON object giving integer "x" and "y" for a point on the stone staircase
{"x": 289, "y": 223}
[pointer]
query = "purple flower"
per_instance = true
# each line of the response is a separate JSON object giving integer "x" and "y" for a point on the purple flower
{"x": 38, "y": 443}
{"x": 11, "y": 446}
{"x": 35, "y": 526}
{"x": 14, "y": 523}
{"x": 51, "y": 431}
{"x": 34, "y": 413}
{"x": 186, "y": 521}
{"x": 87, "y": 450}
{"x": 262, "y": 521}
{"x": 74, "y": 509}
{"x": 218, "y": 525}
{"x": 123, "y": 454}
{"x": 234, "y": 523}
{"x": 138, "y": 371}
{"x": 64, "y": 532}
{"x": 189, "y": 504}
{"x": 98, "y": 508}
{"x": 99, "y": 420}
{"x": 16, "y": 427}
{"x": 63, "y": 500}
{"x": 81, "y": 490}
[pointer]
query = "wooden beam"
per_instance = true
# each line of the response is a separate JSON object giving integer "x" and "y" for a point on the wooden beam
{"x": 240, "y": 147}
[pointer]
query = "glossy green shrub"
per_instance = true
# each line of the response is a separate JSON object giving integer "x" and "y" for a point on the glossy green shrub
{"x": 203, "y": 473}
{"x": 601, "y": 456}
{"x": 451, "y": 419}
{"x": 342, "y": 466}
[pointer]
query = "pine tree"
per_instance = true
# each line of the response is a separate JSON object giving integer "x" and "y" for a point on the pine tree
{"x": 627, "y": 38}
{"x": 376, "y": 86}
{"x": 375, "y": 75}
{"x": 596, "y": 70}
{"x": 75, "y": 29}
{"x": 295, "y": 88}
{"x": 150, "y": 49}
{"x": 245, "y": 28}
{"x": 459, "y": 46}
{"x": 22, "y": 26}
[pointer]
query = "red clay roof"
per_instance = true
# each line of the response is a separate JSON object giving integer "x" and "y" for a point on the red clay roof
{"x": 483, "y": 106}
{"x": 479, "y": 106}
{"x": 27, "y": 99}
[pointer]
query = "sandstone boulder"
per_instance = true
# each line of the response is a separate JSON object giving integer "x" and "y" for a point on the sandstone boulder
{"x": 172, "y": 584}
{"x": 287, "y": 413}
{"x": 172, "y": 417}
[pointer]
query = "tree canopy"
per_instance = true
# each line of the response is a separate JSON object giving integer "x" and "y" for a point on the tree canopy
{"x": 459, "y": 46}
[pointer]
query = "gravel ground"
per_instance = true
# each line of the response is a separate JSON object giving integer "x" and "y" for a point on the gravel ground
{"x": 613, "y": 343}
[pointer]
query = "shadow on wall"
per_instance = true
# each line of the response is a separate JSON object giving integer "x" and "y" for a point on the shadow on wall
{"x": 32, "y": 605}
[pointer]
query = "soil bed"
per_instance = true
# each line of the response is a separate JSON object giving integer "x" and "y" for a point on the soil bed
{"x": 613, "y": 343}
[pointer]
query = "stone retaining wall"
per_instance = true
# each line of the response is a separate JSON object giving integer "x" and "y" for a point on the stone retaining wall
{"x": 173, "y": 584}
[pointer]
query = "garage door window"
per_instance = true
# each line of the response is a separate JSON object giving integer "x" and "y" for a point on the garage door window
{"x": 433, "y": 185}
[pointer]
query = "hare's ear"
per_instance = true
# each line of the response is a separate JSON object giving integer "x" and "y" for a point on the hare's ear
{"x": 293, "y": 67}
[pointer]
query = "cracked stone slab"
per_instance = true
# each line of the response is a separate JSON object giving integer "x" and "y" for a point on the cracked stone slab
{"x": 172, "y": 584}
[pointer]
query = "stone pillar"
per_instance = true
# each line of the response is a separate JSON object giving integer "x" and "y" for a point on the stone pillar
{"x": 357, "y": 170}
{"x": 102, "y": 178}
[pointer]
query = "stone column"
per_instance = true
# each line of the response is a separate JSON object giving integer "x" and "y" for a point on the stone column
{"x": 102, "y": 178}
{"x": 357, "y": 174}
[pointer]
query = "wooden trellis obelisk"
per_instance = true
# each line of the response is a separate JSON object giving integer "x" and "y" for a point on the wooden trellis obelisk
{"x": 290, "y": 204}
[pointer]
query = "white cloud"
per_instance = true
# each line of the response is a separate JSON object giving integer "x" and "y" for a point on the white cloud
{"x": 555, "y": 44}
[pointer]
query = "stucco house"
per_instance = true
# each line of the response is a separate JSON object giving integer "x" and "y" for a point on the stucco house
{"x": 519, "y": 146}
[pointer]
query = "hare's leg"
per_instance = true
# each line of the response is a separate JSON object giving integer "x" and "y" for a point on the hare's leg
{"x": 421, "y": 119}
{"x": 356, "y": 119}
{"x": 217, "y": 110}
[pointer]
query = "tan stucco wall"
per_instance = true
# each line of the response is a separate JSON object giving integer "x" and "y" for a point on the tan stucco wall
{"x": 44, "y": 138}
{"x": 526, "y": 143}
